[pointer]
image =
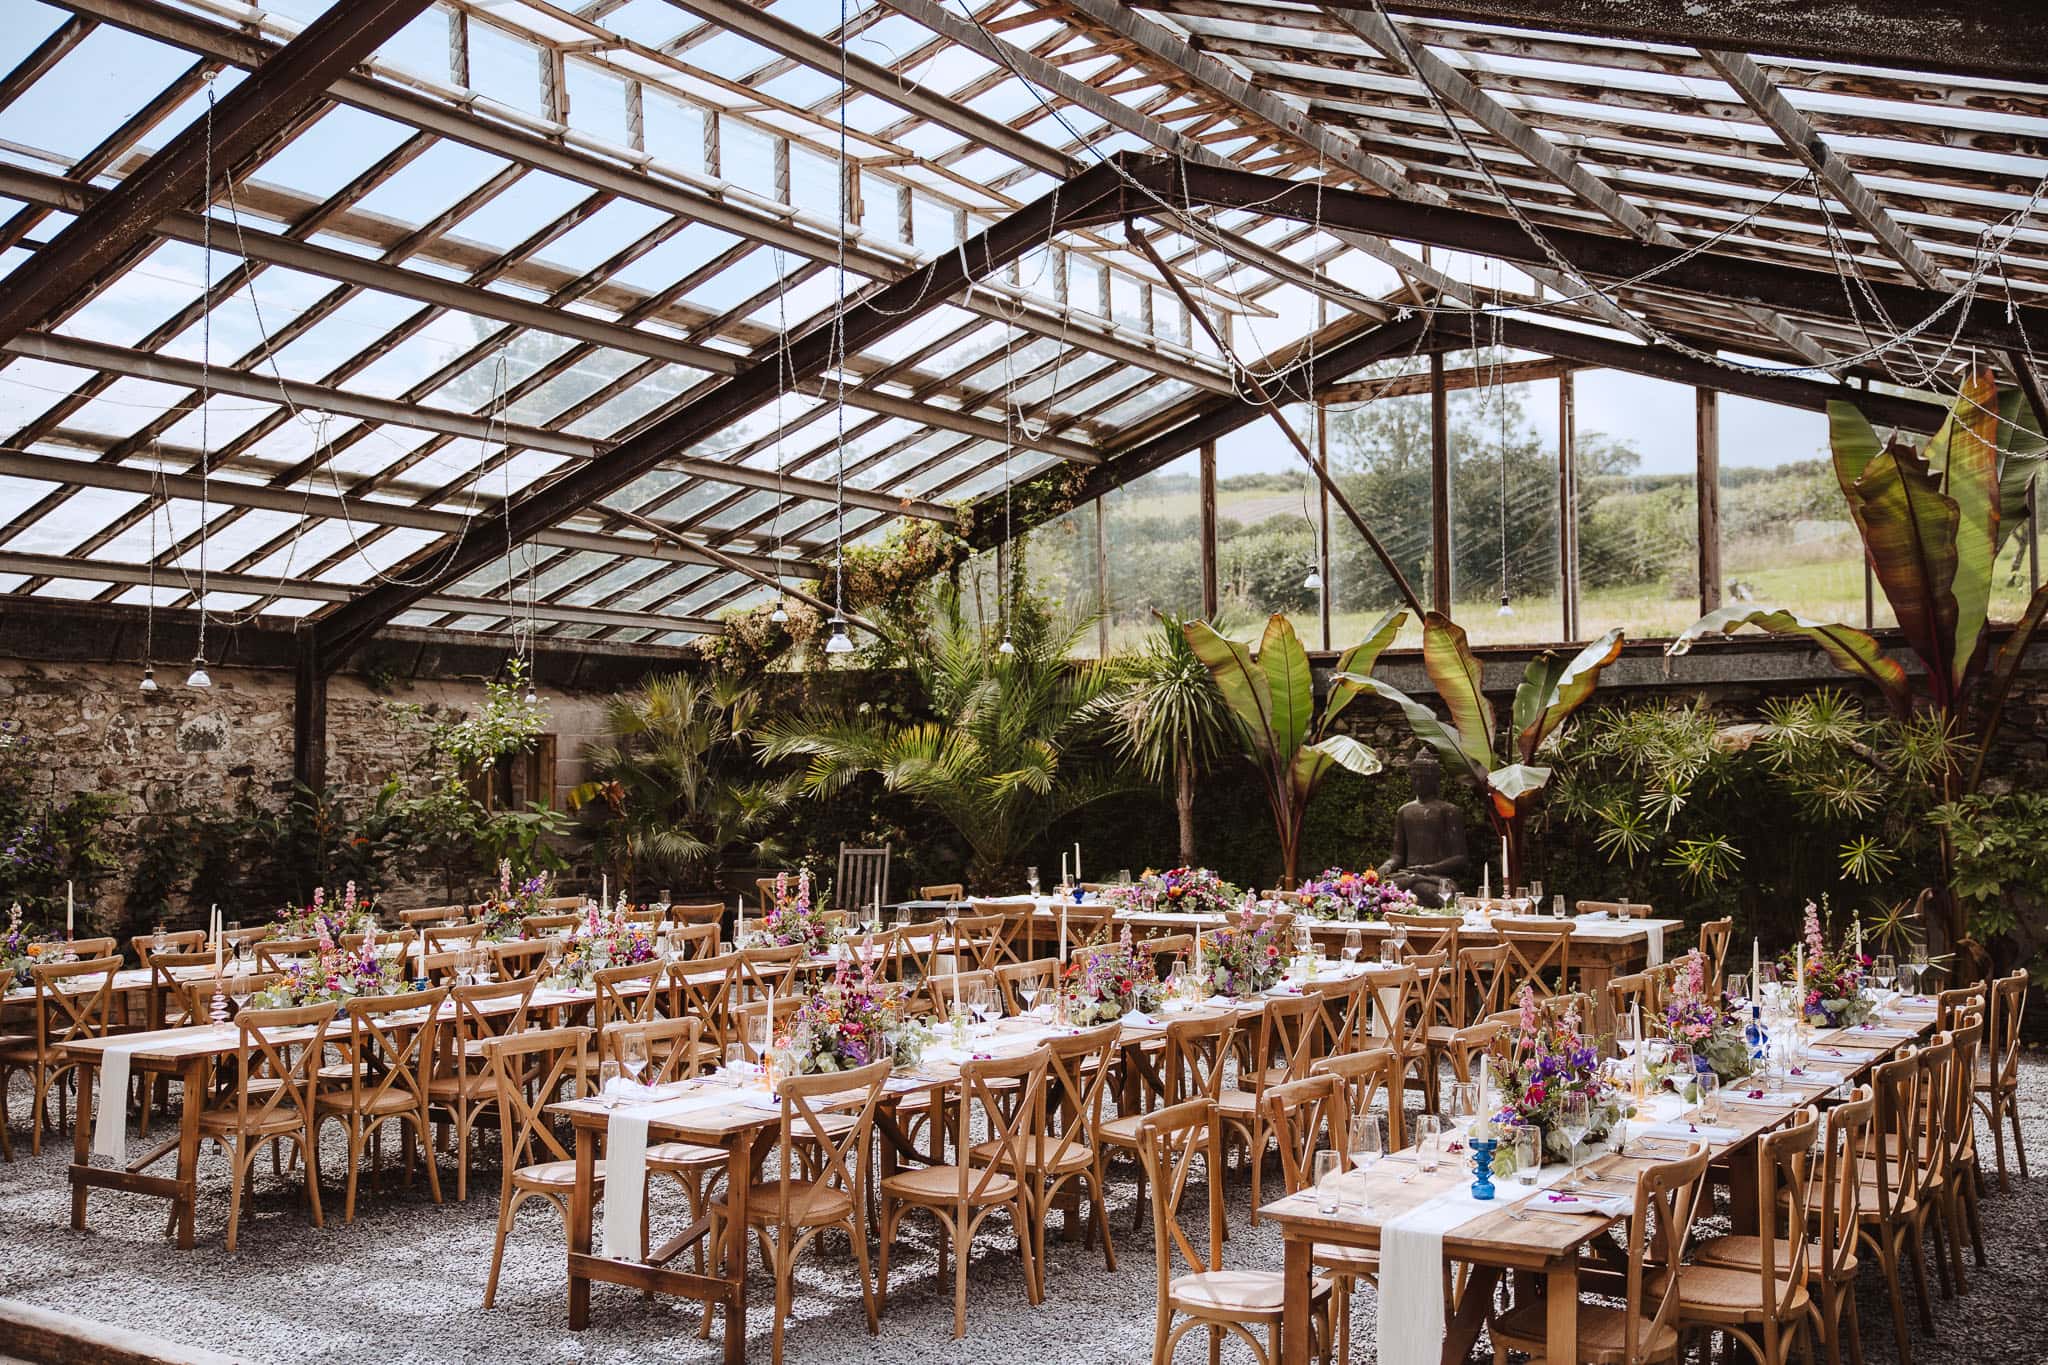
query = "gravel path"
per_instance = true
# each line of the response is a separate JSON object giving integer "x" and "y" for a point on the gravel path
{"x": 405, "y": 1281}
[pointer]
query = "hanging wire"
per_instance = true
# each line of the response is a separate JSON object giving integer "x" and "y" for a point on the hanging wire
{"x": 782, "y": 373}
{"x": 149, "y": 604}
{"x": 837, "y": 642}
{"x": 198, "y": 676}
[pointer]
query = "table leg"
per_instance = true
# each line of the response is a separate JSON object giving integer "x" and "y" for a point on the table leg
{"x": 1461, "y": 1328}
{"x": 81, "y": 1138}
{"x": 1742, "y": 1196}
{"x": 739, "y": 1178}
{"x": 580, "y": 1201}
{"x": 1296, "y": 1308}
{"x": 192, "y": 1099}
{"x": 1561, "y": 1303}
{"x": 1594, "y": 974}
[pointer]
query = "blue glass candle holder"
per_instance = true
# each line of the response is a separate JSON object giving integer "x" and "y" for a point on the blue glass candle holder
{"x": 1482, "y": 1166}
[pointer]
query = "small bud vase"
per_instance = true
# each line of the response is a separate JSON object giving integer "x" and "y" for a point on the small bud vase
{"x": 1482, "y": 1166}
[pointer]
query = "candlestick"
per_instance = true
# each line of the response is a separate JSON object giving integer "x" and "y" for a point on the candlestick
{"x": 1756, "y": 965}
{"x": 1077, "y": 862}
{"x": 1485, "y": 883}
{"x": 605, "y": 897}
{"x": 1507, "y": 878}
{"x": 70, "y": 925}
{"x": 1063, "y": 931}
{"x": 1063, "y": 867}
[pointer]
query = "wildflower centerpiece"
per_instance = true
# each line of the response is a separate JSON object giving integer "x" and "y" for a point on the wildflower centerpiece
{"x": 1109, "y": 982}
{"x": 336, "y": 974}
{"x": 1245, "y": 958}
{"x": 1700, "y": 1018}
{"x": 1341, "y": 894}
{"x": 21, "y": 949}
{"x": 331, "y": 918}
{"x": 504, "y": 915}
{"x": 1834, "y": 976}
{"x": 606, "y": 938}
{"x": 854, "y": 1018}
{"x": 1179, "y": 890}
{"x": 793, "y": 919}
{"x": 1534, "y": 1066}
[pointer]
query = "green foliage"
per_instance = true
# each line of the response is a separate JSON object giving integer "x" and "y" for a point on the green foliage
{"x": 1168, "y": 718}
{"x": 47, "y": 839}
{"x": 1014, "y": 744}
{"x": 2001, "y": 846}
{"x": 676, "y": 787}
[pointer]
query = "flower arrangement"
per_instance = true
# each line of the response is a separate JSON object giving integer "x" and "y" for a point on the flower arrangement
{"x": 793, "y": 918}
{"x": 504, "y": 915}
{"x": 1834, "y": 976}
{"x": 851, "y": 1020}
{"x": 1536, "y": 1064}
{"x": 336, "y": 974}
{"x": 1109, "y": 982}
{"x": 20, "y": 949}
{"x": 606, "y": 938}
{"x": 1247, "y": 958}
{"x": 326, "y": 918}
{"x": 1338, "y": 894}
{"x": 1694, "y": 1016}
{"x": 1180, "y": 890}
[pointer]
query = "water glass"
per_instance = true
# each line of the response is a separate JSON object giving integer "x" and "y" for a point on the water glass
{"x": 737, "y": 1062}
{"x": 633, "y": 1054}
{"x": 1328, "y": 1168}
{"x": 1123, "y": 876}
{"x": 1428, "y": 1142}
{"x": 1738, "y": 985}
{"x": 607, "y": 1081}
{"x": 1390, "y": 952}
{"x": 1354, "y": 944}
{"x": 1031, "y": 879}
{"x": 1709, "y": 1087}
{"x": 1557, "y": 907}
{"x": 1884, "y": 971}
{"x": 1526, "y": 1140}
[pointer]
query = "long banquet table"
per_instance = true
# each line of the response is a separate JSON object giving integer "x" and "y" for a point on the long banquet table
{"x": 1548, "y": 1244}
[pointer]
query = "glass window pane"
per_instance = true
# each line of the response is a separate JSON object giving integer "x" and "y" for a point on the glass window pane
{"x": 1267, "y": 509}
{"x": 1379, "y": 455}
{"x": 1786, "y": 536}
{"x": 1155, "y": 555}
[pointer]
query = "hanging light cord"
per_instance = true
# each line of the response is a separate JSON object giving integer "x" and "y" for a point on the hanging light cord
{"x": 205, "y": 380}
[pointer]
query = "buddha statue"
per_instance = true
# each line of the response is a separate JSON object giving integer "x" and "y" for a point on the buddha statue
{"x": 1429, "y": 838}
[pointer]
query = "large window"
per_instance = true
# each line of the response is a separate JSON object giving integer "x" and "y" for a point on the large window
{"x": 1155, "y": 549}
{"x": 1786, "y": 536}
{"x": 1638, "y": 513}
{"x": 1268, "y": 509}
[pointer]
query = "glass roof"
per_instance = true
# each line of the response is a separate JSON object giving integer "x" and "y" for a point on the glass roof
{"x": 405, "y": 324}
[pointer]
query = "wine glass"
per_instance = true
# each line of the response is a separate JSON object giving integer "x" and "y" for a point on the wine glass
{"x": 554, "y": 955}
{"x": 1390, "y": 952}
{"x": 1366, "y": 1147}
{"x": 1463, "y": 1103}
{"x": 633, "y": 1054}
{"x": 1884, "y": 972}
{"x": 241, "y": 985}
{"x": 1575, "y": 1117}
{"x": 236, "y": 946}
{"x": 1354, "y": 944}
{"x": 1535, "y": 892}
{"x": 1738, "y": 985}
{"x": 1031, "y": 881}
{"x": 985, "y": 1004}
{"x": 736, "y": 1062}
{"x": 1028, "y": 988}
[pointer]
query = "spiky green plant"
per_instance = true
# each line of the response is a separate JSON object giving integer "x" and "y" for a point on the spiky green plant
{"x": 1169, "y": 718}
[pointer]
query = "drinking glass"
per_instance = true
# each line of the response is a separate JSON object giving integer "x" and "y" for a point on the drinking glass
{"x": 1527, "y": 1141}
{"x": 633, "y": 1054}
{"x": 1354, "y": 944}
{"x": 607, "y": 1083}
{"x": 1884, "y": 971}
{"x": 1710, "y": 1096}
{"x": 1575, "y": 1116}
{"x": 1535, "y": 892}
{"x": 1679, "y": 1057}
{"x": 1557, "y": 907}
{"x": 1428, "y": 1142}
{"x": 1028, "y": 988}
{"x": 1031, "y": 879}
{"x": 1738, "y": 985}
{"x": 1123, "y": 876}
{"x": 985, "y": 1004}
{"x": 236, "y": 947}
{"x": 1328, "y": 1166}
{"x": 1390, "y": 953}
{"x": 159, "y": 940}
{"x": 1368, "y": 1144}
{"x": 554, "y": 954}
{"x": 736, "y": 1062}
{"x": 1464, "y": 1103}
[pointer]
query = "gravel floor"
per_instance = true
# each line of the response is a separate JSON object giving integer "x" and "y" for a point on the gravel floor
{"x": 405, "y": 1281}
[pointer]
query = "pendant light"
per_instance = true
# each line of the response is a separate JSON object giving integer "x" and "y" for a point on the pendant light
{"x": 838, "y": 641}
{"x": 1314, "y": 581}
{"x": 198, "y": 678}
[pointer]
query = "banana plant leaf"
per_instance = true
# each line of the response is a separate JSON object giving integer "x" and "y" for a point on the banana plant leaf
{"x": 1552, "y": 688}
{"x": 1239, "y": 677}
{"x": 1911, "y": 531}
{"x": 1289, "y": 685}
{"x": 1314, "y": 761}
{"x": 2004, "y": 669}
{"x": 1361, "y": 658}
{"x": 1848, "y": 648}
{"x": 1514, "y": 788}
{"x": 1965, "y": 450}
{"x": 2021, "y": 454}
{"x": 1425, "y": 723}
{"x": 1455, "y": 672}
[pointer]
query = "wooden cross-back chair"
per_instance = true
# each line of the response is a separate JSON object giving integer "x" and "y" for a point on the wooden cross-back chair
{"x": 943, "y": 891}
{"x": 1012, "y": 978}
{"x": 710, "y": 990}
{"x": 1283, "y": 1043}
{"x": 1635, "y": 989}
{"x": 752, "y": 1017}
{"x": 528, "y": 1070}
{"x": 1064, "y": 1148}
{"x": 1536, "y": 947}
{"x": 675, "y": 1052}
{"x": 1480, "y": 983}
{"x": 1888, "y": 1212}
{"x": 1997, "y": 1090}
{"x": 1345, "y": 1009}
{"x": 1190, "y": 1066}
{"x": 1938, "y": 1061}
{"x": 954, "y": 990}
{"x": 977, "y": 942}
{"x": 1961, "y": 1172}
{"x": 1164, "y": 950}
{"x": 521, "y": 957}
{"x": 282, "y": 1111}
{"x": 1008, "y": 1093}
{"x": 1644, "y": 1327}
{"x": 1715, "y": 936}
{"x": 1300, "y": 1113}
{"x": 461, "y": 1086}
{"x": 1233, "y": 1303}
{"x": 1402, "y": 1030}
{"x": 444, "y": 938}
{"x": 1428, "y": 933}
{"x": 433, "y": 914}
{"x": 629, "y": 994}
{"x": 825, "y": 1189}
{"x": 863, "y": 877}
{"x": 692, "y": 942}
{"x": 699, "y": 912}
{"x": 73, "y": 1002}
{"x": 761, "y": 968}
{"x": 1615, "y": 909}
{"x": 1086, "y": 926}
{"x": 1366, "y": 1076}
{"x": 183, "y": 946}
{"x": 538, "y": 926}
{"x": 1952, "y": 1004}
{"x": 1764, "y": 1306}
{"x": 391, "y": 1064}
{"x": 275, "y": 954}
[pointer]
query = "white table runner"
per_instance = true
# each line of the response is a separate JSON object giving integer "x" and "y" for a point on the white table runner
{"x": 625, "y": 1165}
{"x": 110, "y": 1119}
{"x": 1412, "y": 1265}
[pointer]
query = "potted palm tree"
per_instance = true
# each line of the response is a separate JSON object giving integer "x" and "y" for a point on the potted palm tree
{"x": 1169, "y": 719}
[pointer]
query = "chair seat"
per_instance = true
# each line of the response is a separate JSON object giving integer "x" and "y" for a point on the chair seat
{"x": 393, "y": 1101}
{"x": 941, "y": 1185}
{"x": 283, "y": 1119}
{"x": 1120, "y": 1132}
{"x": 1743, "y": 1252}
{"x": 810, "y": 1203}
{"x": 17, "y": 1047}
{"x": 461, "y": 1085}
{"x": 1237, "y": 1104}
{"x": 1039, "y": 1150}
{"x": 1346, "y": 1260}
{"x": 1236, "y": 1295}
{"x": 1723, "y": 1293}
{"x": 1603, "y": 1334}
{"x": 551, "y": 1175}
{"x": 678, "y": 1156}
